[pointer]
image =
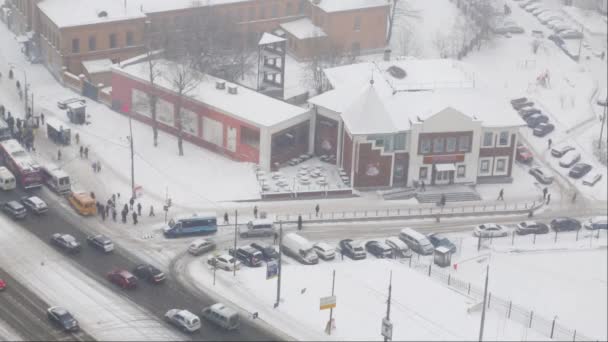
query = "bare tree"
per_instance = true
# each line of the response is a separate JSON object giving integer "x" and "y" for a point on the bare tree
{"x": 323, "y": 54}
{"x": 399, "y": 9}
{"x": 183, "y": 80}
{"x": 153, "y": 74}
{"x": 407, "y": 42}
{"x": 485, "y": 15}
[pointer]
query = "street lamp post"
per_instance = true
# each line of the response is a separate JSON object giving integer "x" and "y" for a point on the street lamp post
{"x": 599, "y": 143}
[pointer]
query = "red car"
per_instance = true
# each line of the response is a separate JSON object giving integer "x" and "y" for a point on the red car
{"x": 523, "y": 154}
{"x": 123, "y": 278}
{"x": 2, "y": 284}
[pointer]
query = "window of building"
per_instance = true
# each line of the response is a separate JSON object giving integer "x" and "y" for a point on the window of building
{"x": 488, "y": 139}
{"x": 251, "y": 13}
{"x": 113, "y": 43}
{"x": 320, "y": 20}
{"x": 130, "y": 40}
{"x": 460, "y": 172}
{"x": 250, "y": 137}
{"x": 302, "y": 6}
{"x": 503, "y": 138}
{"x": 399, "y": 142}
{"x": 288, "y": 9}
{"x": 425, "y": 145}
{"x": 275, "y": 11}
{"x": 262, "y": 12}
{"x": 484, "y": 166}
{"x": 423, "y": 172}
{"x": 438, "y": 145}
{"x": 357, "y": 24}
{"x": 355, "y": 49}
{"x": 464, "y": 143}
{"x": 92, "y": 43}
{"x": 450, "y": 144}
{"x": 501, "y": 166}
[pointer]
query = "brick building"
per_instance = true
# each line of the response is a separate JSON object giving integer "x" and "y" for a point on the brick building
{"x": 393, "y": 123}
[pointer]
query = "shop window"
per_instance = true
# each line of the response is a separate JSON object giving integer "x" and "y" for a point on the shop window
{"x": 450, "y": 144}
{"x": 92, "y": 43}
{"x": 501, "y": 165}
{"x": 425, "y": 145}
{"x": 288, "y": 9}
{"x": 251, "y": 13}
{"x": 113, "y": 43}
{"x": 488, "y": 139}
{"x": 130, "y": 39}
{"x": 75, "y": 45}
{"x": 464, "y": 143}
{"x": 503, "y": 138}
{"x": 275, "y": 11}
{"x": 250, "y": 137}
{"x": 484, "y": 166}
{"x": 423, "y": 174}
{"x": 399, "y": 141}
{"x": 438, "y": 145}
{"x": 357, "y": 24}
{"x": 460, "y": 172}
{"x": 302, "y": 6}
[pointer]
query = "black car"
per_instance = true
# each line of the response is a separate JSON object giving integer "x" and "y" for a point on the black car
{"x": 543, "y": 129}
{"x": 536, "y": 119}
{"x": 531, "y": 227}
{"x": 101, "y": 242}
{"x": 519, "y": 100}
{"x": 527, "y": 112}
{"x": 66, "y": 242}
{"x": 62, "y": 318}
{"x": 561, "y": 224}
{"x": 248, "y": 256}
{"x": 268, "y": 252}
{"x": 35, "y": 204}
{"x": 15, "y": 209}
{"x": 150, "y": 273}
{"x": 520, "y": 105}
{"x": 352, "y": 249}
{"x": 440, "y": 240}
{"x": 379, "y": 249}
{"x": 579, "y": 170}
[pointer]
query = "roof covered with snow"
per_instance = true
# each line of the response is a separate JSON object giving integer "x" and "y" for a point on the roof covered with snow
{"x": 247, "y": 105}
{"x": 268, "y": 38}
{"x": 348, "y": 5}
{"x": 66, "y": 13}
{"x": 97, "y": 65}
{"x": 303, "y": 29}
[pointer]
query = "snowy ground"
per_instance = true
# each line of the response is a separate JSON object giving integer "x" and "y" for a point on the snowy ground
{"x": 7, "y": 333}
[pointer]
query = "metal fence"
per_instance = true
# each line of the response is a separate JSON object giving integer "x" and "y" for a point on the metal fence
{"x": 552, "y": 237}
{"x": 547, "y": 327}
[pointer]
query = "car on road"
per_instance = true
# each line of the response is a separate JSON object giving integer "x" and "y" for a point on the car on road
{"x": 352, "y": 249}
{"x": 531, "y": 227}
{"x": 324, "y": 250}
{"x": 569, "y": 159}
{"x": 490, "y": 230}
{"x": 523, "y": 154}
{"x": 592, "y": 178}
{"x": 185, "y": 320}
{"x": 539, "y": 10}
{"x": 579, "y": 170}
{"x": 62, "y": 318}
{"x": 268, "y": 252}
{"x": 201, "y": 246}
{"x": 101, "y": 243}
{"x": 527, "y": 2}
{"x": 439, "y": 240}
{"x": 536, "y": 119}
{"x": 224, "y": 261}
{"x": 571, "y": 34}
{"x": 223, "y": 316}
{"x": 519, "y": 100}
{"x": 400, "y": 248}
{"x": 122, "y": 278}
{"x": 596, "y": 222}
{"x": 66, "y": 242}
{"x": 15, "y": 209}
{"x": 559, "y": 151}
{"x": 520, "y": 105}
{"x": 561, "y": 224}
{"x": 543, "y": 129}
{"x": 35, "y": 204}
{"x": 528, "y": 112}
{"x": 379, "y": 249}
{"x": 2, "y": 285}
{"x": 542, "y": 174}
{"x": 247, "y": 255}
{"x": 149, "y": 273}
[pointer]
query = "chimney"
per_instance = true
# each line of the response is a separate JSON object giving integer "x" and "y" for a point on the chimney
{"x": 232, "y": 89}
{"x": 387, "y": 55}
{"x": 220, "y": 85}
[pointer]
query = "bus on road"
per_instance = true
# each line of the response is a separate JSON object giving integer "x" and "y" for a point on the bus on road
{"x": 197, "y": 224}
{"x": 27, "y": 171}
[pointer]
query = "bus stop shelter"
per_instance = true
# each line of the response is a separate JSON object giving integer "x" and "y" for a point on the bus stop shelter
{"x": 442, "y": 256}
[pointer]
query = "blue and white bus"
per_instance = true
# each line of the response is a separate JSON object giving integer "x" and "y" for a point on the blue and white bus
{"x": 197, "y": 224}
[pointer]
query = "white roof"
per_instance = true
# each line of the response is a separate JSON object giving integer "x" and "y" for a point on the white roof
{"x": 22, "y": 158}
{"x": 348, "y": 5}
{"x": 368, "y": 115}
{"x": 97, "y": 65}
{"x": 303, "y": 29}
{"x": 247, "y": 105}
{"x": 55, "y": 123}
{"x": 66, "y": 13}
{"x": 442, "y": 249}
{"x": 268, "y": 38}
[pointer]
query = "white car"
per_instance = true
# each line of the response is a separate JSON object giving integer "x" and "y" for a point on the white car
{"x": 591, "y": 178}
{"x": 324, "y": 250}
{"x": 532, "y": 7}
{"x": 490, "y": 230}
{"x": 184, "y": 320}
{"x": 552, "y": 24}
{"x": 545, "y": 19}
{"x": 569, "y": 159}
{"x": 527, "y": 2}
{"x": 570, "y": 34}
{"x": 35, "y": 204}
{"x": 225, "y": 262}
{"x": 539, "y": 11}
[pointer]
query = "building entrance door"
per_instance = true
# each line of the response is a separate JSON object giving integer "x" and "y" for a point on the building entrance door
{"x": 444, "y": 174}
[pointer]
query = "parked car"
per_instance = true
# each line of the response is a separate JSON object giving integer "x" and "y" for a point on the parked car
{"x": 490, "y": 230}
{"x": 527, "y": 2}
{"x": 511, "y": 28}
{"x": 556, "y": 39}
{"x": 536, "y": 119}
{"x": 352, "y": 249}
{"x": 2, "y": 285}
{"x": 122, "y": 278}
{"x": 417, "y": 241}
{"x": 268, "y": 252}
{"x": 552, "y": 24}
{"x": 561, "y": 224}
{"x": 532, "y": 7}
{"x": 592, "y": 178}
{"x": 439, "y": 240}
{"x": 66, "y": 242}
{"x": 35, "y": 204}
{"x": 149, "y": 273}
{"x": 324, "y": 250}
{"x": 543, "y": 129}
{"x": 539, "y": 11}
{"x": 520, "y": 105}
{"x": 223, "y": 316}
{"x": 569, "y": 159}
{"x": 200, "y": 246}
{"x": 379, "y": 249}
{"x": 579, "y": 170}
{"x": 561, "y": 28}
{"x": 15, "y": 209}
{"x": 519, "y": 100}
{"x": 570, "y": 34}
{"x": 523, "y": 154}
{"x": 100, "y": 242}
{"x": 596, "y": 222}
{"x": 542, "y": 175}
{"x": 527, "y": 112}
{"x": 224, "y": 261}
{"x": 184, "y": 320}
{"x": 547, "y": 16}
{"x": 400, "y": 248}
{"x": 247, "y": 255}
{"x": 62, "y": 318}
{"x": 531, "y": 227}
{"x": 559, "y": 151}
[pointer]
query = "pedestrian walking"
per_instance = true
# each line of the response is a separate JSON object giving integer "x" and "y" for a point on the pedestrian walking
{"x": 548, "y": 199}
{"x": 317, "y": 210}
{"x": 123, "y": 215}
{"x": 113, "y": 198}
{"x": 98, "y": 166}
{"x": 574, "y": 197}
{"x": 125, "y": 208}
{"x": 134, "y": 218}
{"x": 92, "y": 195}
{"x": 275, "y": 238}
{"x": 422, "y": 186}
{"x": 151, "y": 211}
{"x": 139, "y": 209}
{"x": 94, "y": 166}
{"x": 77, "y": 138}
{"x": 549, "y": 143}
{"x": 58, "y": 154}
{"x": 108, "y": 206}
{"x": 299, "y": 222}
{"x": 442, "y": 200}
{"x": 500, "y": 195}
{"x": 255, "y": 211}
{"x": 10, "y": 74}
{"x": 113, "y": 214}
{"x": 226, "y": 218}
{"x": 131, "y": 203}
{"x": 81, "y": 151}
{"x": 103, "y": 214}
{"x": 86, "y": 152}
{"x": 42, "y": 118}
{"x": 545, "y": 190}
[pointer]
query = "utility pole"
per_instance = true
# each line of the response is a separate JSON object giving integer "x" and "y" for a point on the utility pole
{"x": 132, "y": 160}
{"x": 276, "y": 304}
{"x": 580, "y": 42}
{"x": 599, "y": 143}
{"x": 331, "y": 310}
{"x": 236, "y": 219}
{"x": 388, "y": 305}
{"x": 483, "y": 311}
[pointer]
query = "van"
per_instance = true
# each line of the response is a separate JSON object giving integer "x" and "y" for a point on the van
{"x": 299, "y": 248}
{"x": 83, "y": 203}
{"x": 197, "y": 224}
{"x": 416, "y": 241}
{"x": 259, "y": 228}
{"x": 597, "y": 222}
{"x": 56, "y": 179}
{"x": 200, "y": 246}
{"x": 221, "y": 315}
{"x": 7, "y": 180}
{"x": 400, "y": 248}
{"x": 247, "y": 255}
